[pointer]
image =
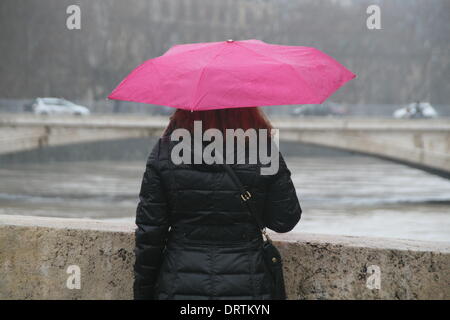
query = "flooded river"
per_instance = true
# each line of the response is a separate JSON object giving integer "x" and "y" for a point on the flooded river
{"x": 346, "y": 195}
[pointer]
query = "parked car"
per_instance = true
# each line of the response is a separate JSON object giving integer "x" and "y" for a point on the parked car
{"x": 416, "y": 110}
{"x": 58, "y": 106}
{"x": 325, "y": 109}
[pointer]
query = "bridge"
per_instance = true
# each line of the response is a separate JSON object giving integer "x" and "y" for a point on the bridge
{"x": 420, "y": 143}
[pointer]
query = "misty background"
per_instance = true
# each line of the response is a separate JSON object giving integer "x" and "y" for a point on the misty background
{"x": 407, "y": 60}
{"x": 340, "y": 192}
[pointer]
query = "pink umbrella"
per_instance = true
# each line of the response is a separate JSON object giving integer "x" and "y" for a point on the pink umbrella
{"x": 232, "y": 74}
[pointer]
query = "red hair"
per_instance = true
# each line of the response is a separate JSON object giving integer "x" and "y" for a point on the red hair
{"x": 222, "y": 119}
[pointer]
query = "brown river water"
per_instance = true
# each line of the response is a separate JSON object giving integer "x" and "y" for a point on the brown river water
{"x": 345, "y": 195}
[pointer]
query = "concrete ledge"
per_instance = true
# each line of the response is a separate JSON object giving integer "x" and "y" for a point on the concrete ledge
{"x": 36, "y": 252}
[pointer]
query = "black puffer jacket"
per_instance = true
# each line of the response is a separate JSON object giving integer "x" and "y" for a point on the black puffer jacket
{"x": 195, "y": 239}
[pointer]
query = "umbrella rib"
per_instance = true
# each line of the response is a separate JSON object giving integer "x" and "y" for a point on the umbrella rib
{"x": 186, "y": 51}
{"x": 201, "y": 76}
{"x": 286, "y": 63}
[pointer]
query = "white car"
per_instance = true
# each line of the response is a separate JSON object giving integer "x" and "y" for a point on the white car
{"x": 416, "y": 110}
{"x": 58, "y": 106}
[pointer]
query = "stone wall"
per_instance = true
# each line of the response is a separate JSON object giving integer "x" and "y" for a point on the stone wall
{"x": 35, "y": 254}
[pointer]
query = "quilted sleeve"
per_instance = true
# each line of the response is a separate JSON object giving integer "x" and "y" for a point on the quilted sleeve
{"x": 152, "y": 228}
{"x": 282, "y": 210}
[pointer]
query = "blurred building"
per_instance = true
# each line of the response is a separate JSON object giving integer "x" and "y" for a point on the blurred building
{"x": 407, "y": 60}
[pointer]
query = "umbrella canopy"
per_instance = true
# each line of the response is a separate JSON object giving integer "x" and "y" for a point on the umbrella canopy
{"x": 233, "y": 74}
